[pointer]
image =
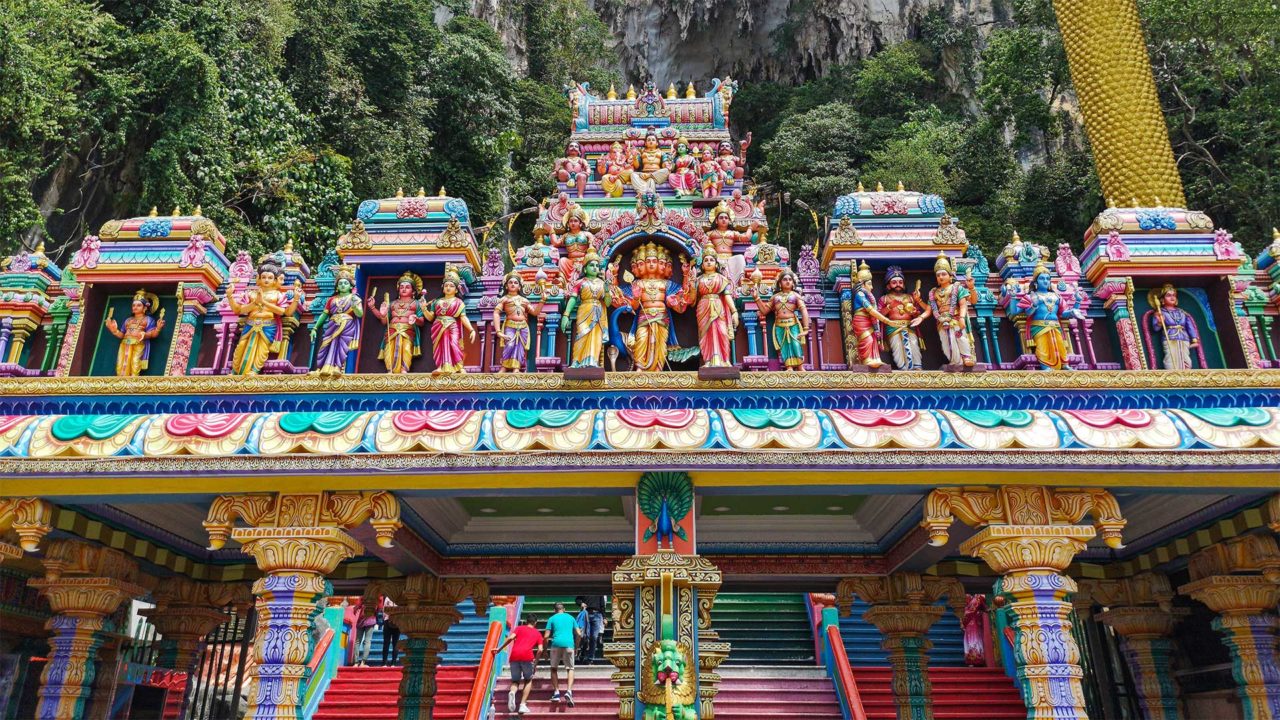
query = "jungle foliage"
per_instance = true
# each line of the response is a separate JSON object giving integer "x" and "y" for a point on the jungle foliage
{"x": 278, "y": 116}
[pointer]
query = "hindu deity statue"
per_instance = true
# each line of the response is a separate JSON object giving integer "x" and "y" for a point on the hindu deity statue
{"x": 338, "y": 325}
{"x": 684, "y": 176}
{"x": 710, "y": 173}
{"x": 949, "y": 306}
{"x": 867, "y": 320}
{"x": 732, "y": 164}
{"x": 615, "y": 170}
{"x": 902, "y": 339}
{"x": 265, "y": 306}
{"x": 402, "y": 316}
{"x": 724, "y": 237}
{"x": 586, "y": 309}
{"x": 790, "y": 318}
{"x": 448, "y": 317}
{"x": 712, "y": 296}
{"x": 511, "y": 318}
{"x": 1044, "y": 306}
{"x": 574, "y": 239}
{"x": 650, "y": 294}
{"x": 573, "y": 169}
{"x": 650, "y": 165}
{"x": 1178, "y": 333}
{"x": 136, "y": 335}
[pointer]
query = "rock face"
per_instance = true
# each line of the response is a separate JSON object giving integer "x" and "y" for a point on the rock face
{"x": 786, "y": 40}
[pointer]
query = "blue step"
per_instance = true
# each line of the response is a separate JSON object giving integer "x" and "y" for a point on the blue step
{"x": 862, "y": 639}
{"x": 465, "y": 639}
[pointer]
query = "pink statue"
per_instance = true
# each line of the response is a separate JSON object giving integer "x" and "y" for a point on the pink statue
{"x": 974, "y": 625}
{"x": 88, "y": 254}
{"x": 574, "y": 239}
{"x": 448, "y": 317}
{"x": 684, "y": 176}
{"x": 711, "y": 173}
{"x": 712, "y": 296}
{"x": 572, "y": 169}
{"x": 733, "y": 165}
{"x": 193, "y": 255}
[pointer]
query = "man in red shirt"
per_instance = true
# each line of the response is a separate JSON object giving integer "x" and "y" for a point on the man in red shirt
{"x": 526, "y": 644}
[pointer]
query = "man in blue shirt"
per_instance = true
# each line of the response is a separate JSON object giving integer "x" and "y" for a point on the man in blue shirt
{"x": 562, "y": 635}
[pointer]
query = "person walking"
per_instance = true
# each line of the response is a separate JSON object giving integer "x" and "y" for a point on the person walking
{"x": 365, "y": 622}
{"x": 526, "y": 645}
{"x": 594, "y": 629}
{"x": 562, "y": 636}
{"x": 580, "y": 621}
{"x": 390, "y": 633}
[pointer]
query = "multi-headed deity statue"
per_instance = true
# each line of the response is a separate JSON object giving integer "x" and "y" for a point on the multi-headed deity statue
{"x": 902, "y": 309}
{"x": 573, "y": 169}
{"x": 710, "y": 173}
{"x": 586, "y": 310}
{"x": 266, "y": 305}
{"x": 732, "y": 164}
{"x": 1177, "y": 331}
{"x": 136, "y": 335}
{"x": 949, "y": 306}
{"x": 338, "y": 325}
{"x": 867, "y": 320}
{"x": 724, "y": 237}
{"x": 712, "y": 295}
{"x": 1044, "y": 306}
{"x": 615, "y": 170}
{"x": 650, "y": 294}
{"x": 684, "y": 172}
{"x": 650, "y": 164}
{"x": 574, "y": 239}
{"x": 790, "y": 318}
{"x": 402, "y": 316}
{"x": 511, "y": 318}
{"x": 448, "y": 317}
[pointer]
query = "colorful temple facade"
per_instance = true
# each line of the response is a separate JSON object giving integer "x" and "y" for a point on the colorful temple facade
{"x": 759, "y": 458}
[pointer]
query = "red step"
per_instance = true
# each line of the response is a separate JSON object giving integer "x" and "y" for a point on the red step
{"x": 954, "y": 690}
{"x": 792, "y": 692}
{"x": 593, "y": 696}
{"x": 372, "y": 693}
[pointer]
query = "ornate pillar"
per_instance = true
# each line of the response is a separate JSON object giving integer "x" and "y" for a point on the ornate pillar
{"x": 296, "y": 539}
{"x": 426, "y": 607}
{"x": 1246, "y": 608}
{"x": 1140, "y": 610}
{"x": 71, "y": 290}
{"x": 192, "y": 300}
{"x": 1117, "y": 300}
{"x": 29, "y": 518}
{"x": 1029, "y": 535}
{"x": 84, "y": 585}
{"x": 186, "y": 612}
{"x": 903, "y": 608}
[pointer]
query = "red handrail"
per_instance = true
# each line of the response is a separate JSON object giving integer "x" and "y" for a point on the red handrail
{"x": 844, "y": 674}
{"x": 322, "y": 648}
{"x": 480, "y": 686}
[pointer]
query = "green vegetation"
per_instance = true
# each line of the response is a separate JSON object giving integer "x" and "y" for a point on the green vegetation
{"x": 277, "y": 116}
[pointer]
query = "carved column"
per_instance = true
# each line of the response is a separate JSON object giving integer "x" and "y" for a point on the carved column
{"x": 192, "y": 300}
{"x": 29, "y": 518}
{"x": 296, "y": 540}
{"x": 1029, "y": 536}
{"x": 1141, "y": 612}
{"x": 1246, "y": 606}
{"x": 903, "y": 609}
{"x": 426, "y": 607}
{"x": 1117, "y": 300}
{"x": 84, "y": 585}
{"x": 186, "y": 612}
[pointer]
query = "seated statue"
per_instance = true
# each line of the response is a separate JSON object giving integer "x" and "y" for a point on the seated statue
{"x": 573, "y": 169}
{"x": 684, "y": 176}
{"x": 650, "y": 166}
{"x": 733, "y": 165}
{"x": 615, "y": 170}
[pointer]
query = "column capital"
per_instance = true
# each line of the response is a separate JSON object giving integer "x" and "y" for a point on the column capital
{"x": 316, "y": 550}
{"x": 1273, "y": 511}
{"x": 341, "y": 510}
{"x": 1015, "y": 505}
{"x": 30, "y": 518}
{"x": 1141, "y": 623}
{"x": 903, "y": 589}
{"x": 1142, "y": 589}
{"x": 1234, "y": 594}
{"x": 1016, "y": 549}
{"x": 187, "y": 611}
{"x": 903, "y": 620}
{"x": 426, "y": 605}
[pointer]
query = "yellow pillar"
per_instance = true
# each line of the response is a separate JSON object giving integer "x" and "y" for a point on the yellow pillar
{"x": 1112, "y": 75}
{"x": 186, "y": 612}
{"x": 29, "y": 518}
{"x": 84, "y": 585}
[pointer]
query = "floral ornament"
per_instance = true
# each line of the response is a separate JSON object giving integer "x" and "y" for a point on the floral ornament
{"x": 155, "y": 228}
{"x": 932, "y": 205}
{"x": 367, "y": 209}
{"x": 847, "y": 205}
{"x": 1157, "y": 219}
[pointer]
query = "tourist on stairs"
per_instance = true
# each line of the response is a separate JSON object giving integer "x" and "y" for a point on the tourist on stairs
{"x": 524, "y": 640}
{"x": 365, "y": 622}
{"x": 591, "y": 623}
{"x": 390, "y": 633}
{"x": 562, "y": 634}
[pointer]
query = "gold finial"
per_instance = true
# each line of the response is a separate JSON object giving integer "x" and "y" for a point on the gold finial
{"x": 631, "y": 92}
{"x": 399, "y": 192}
{"x": 613, "y": 92}
{"x": 1275, "y": 234}
{"x": 422, "y": 192}
{"x": 901, "y": 187}
{"x": 1135, "y": 202}
{"x": 879, "y": 187}
{"x": 1158, "y": 203}
{"x": 860, "y": 188}
{"x": 198, "y": 212}
{"x": 153, "y": 211}
{"x": 39, "y": 248}
{"x": 1016, "y": 237}
{"x": 671, "y": 91}
{"x": 1111, "y": 202}
{"x": 288, "y": 246}
{"x": 177, "y": 211}
{"x": 442, "y": 192}
{"x": 689, "y": 92}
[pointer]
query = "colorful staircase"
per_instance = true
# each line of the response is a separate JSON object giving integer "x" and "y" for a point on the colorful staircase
{"x": 752, "y": 693}
{"x": 371, "y": 693}
{"x": 959, "y": 693}
{"x": 465, "y": 639}
{"x": 593, "y": 694}
{"x": 765, "y": 628}
{"x": 862, "y": 639}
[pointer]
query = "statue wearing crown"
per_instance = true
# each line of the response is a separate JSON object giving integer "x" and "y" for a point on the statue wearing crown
{"x": 615, "y": 170}
{"x": 790, "y": 317}
{"x": 868, "y": 322}
{"x": 650, "y": 166}
{"x": 136, "y": 334}
{"x": 1177, "y": 331}
{"x": 448, "y": 317}
{"x": 684, "y": 175}
{"x": 338, "y": 325}
{"x": 901, "y": 336}
{"x": 1043, "y": 306}
{"x": 402, "y": 316}
{"x": 712, "y": 297}
{"x": 651, "y": 294}
{"x": 573, "y": 169}
{"x": 711, "y": 175}
{"x": 586, "y": 310}
{"x": 511, "y": 317}
{"x": 263, "y": 309}
{"x": 723, "y": 237}
{"x": 949, "y": 306}
{"x": 575, "y": 240}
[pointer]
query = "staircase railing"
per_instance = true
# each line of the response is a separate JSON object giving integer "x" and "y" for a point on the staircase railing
{"x": 836, "y": 661}
{"x": 480, "y": 705}
{"x": 327, "y": 657}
